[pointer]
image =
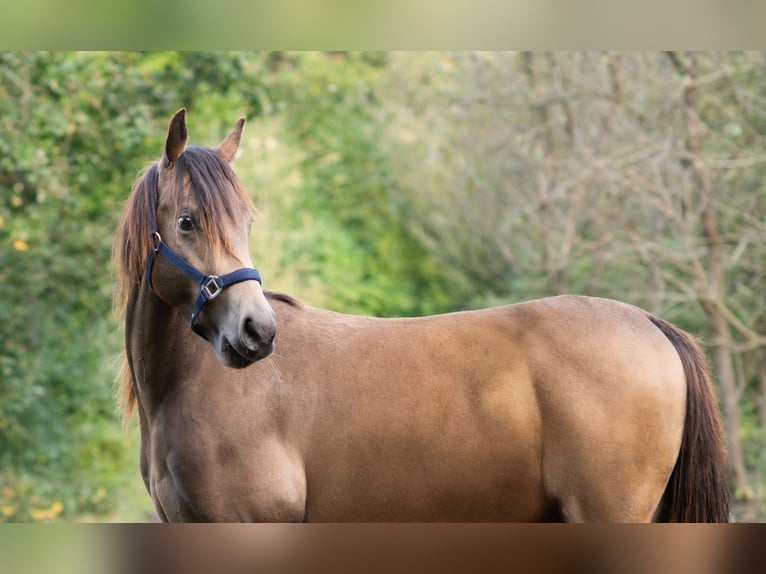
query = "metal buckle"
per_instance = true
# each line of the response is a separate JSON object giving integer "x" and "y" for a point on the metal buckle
{"x": 157, "y": 239}
{"x": 212, "y": 293}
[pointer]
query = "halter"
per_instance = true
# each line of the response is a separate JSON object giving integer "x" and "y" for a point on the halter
{"x": 210, "y": 285}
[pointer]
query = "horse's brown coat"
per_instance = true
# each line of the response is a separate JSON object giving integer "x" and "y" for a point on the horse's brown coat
{"x": 564, "y": 408}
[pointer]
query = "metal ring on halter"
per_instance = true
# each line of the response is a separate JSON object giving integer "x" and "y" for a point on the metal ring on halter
{"x": 216, "y": 287}
{"x": 156, "y": 235}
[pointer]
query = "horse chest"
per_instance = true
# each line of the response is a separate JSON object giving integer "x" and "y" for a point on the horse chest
{"x": 211, "y": 478}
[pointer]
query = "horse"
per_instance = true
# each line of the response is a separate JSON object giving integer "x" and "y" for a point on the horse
{"x": 255, "y": 406}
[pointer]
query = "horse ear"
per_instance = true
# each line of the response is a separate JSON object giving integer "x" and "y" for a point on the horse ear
{"x": 177, "y": 135}
{"x": 229, "y": 147}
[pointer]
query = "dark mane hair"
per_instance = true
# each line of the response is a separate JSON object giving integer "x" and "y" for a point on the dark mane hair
{"x": 220, "y": 196}
{"x": 284, "y": 298}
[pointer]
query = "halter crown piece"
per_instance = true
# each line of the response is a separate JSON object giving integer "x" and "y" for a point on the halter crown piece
{"x": 210, "y": 285}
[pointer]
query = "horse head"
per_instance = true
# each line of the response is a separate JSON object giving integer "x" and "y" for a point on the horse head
{"x": 199, "y": 261}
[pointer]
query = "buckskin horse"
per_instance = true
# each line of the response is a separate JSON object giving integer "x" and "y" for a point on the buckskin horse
{"x": 254, "y": 406}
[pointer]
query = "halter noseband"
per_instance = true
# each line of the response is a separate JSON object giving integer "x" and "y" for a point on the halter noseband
{"x": 210, "y": 285}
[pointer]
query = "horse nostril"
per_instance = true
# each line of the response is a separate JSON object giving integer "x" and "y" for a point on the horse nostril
{"x": 251, "y": 333}
{"x": 255, "y": 337}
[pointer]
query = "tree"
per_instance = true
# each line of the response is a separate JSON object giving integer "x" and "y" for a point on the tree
{"x": 348, "y": 224}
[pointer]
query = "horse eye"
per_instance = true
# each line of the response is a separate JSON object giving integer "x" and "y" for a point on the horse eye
{"x": 185, "y": 223}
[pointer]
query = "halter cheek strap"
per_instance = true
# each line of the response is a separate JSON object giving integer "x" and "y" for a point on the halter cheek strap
{"x": 210, "y": 285}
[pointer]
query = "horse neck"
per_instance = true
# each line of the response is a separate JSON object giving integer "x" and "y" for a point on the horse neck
{"x": 160, "y": 347}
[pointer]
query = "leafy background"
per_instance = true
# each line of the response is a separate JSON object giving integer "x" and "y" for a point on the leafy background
{"x": 387, "y": 184}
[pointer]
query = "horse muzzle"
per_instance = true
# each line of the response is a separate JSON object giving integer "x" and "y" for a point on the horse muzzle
{"x": 253, "y": 341}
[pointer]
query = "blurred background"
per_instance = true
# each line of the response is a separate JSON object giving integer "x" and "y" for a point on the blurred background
{"x": 387, "y": 184}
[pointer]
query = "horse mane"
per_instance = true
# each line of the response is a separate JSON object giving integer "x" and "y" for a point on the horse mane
{"x": 219, "y": 195}
{"x": 284, "y": 298}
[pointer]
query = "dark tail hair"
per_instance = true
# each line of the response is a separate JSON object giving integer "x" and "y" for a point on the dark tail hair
{"x": 697, "y": 490}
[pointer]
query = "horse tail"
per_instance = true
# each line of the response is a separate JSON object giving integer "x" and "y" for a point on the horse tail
{"x": 697, "y": 490}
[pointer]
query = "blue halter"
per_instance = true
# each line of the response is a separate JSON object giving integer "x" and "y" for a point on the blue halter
{"x": 210, "y": 285}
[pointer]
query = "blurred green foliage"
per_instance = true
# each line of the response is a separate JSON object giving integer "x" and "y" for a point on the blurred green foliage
{"x": 360, "y": 246}
{"x": 331, "y": 162}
